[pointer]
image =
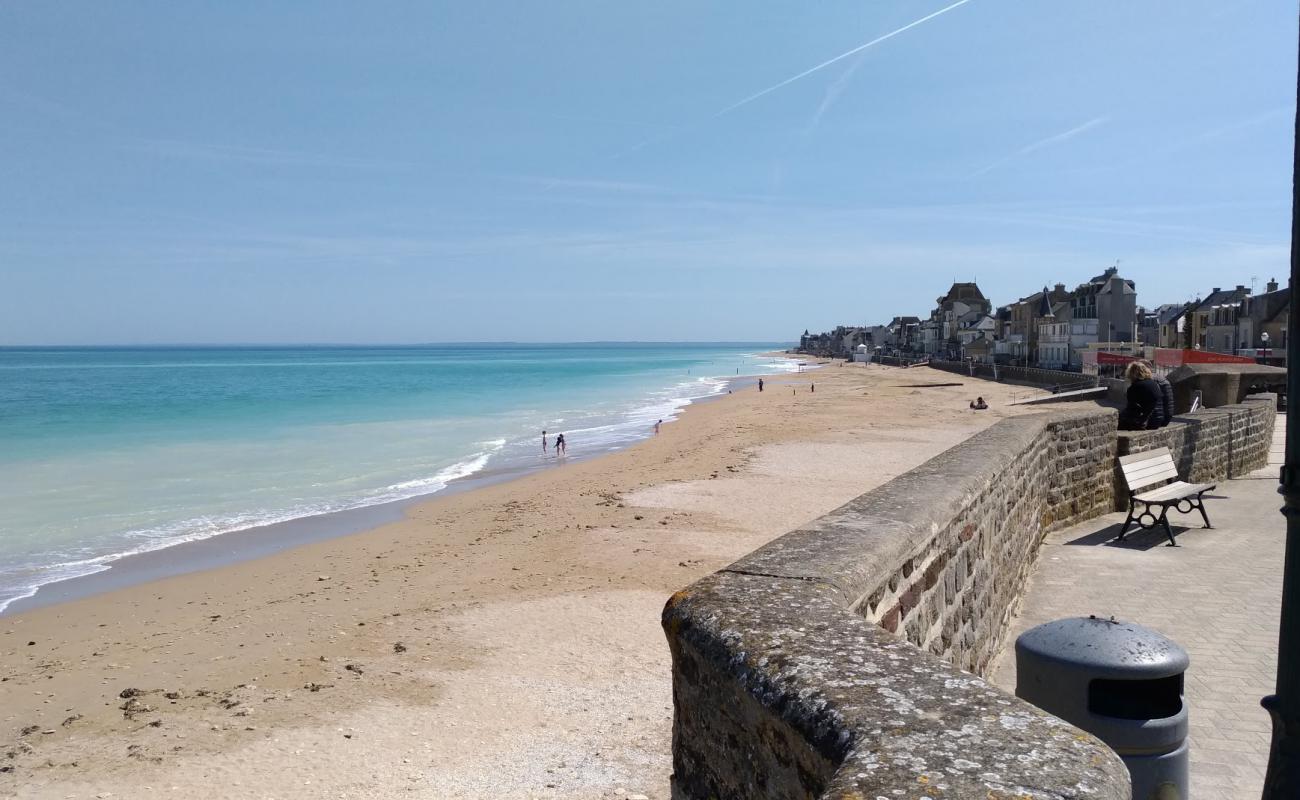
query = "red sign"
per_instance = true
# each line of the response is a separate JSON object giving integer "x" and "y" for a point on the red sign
{"x": 1113, "y": 359}
{"x": 1170, "y": 357}
{"x": 1203, "y": 357}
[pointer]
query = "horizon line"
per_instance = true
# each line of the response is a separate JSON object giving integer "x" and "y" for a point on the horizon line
{"x": 467, "y": 342}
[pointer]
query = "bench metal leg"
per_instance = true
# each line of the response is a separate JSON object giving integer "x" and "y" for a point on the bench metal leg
{"x": 1131, "y": 505}
{"x": 1164, "y": 520}
{"x": 1200, "y": 506}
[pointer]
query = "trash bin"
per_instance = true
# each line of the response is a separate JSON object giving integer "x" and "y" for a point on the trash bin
{"x": 1122, "y": 683}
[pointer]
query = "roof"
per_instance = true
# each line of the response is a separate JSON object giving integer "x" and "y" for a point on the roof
{"x": 1223, "y": 297}
{"x": 1044, "y": 303}
{"x": 1283, "y": 303}
{"x": 963, "y": 291}
{"x": 1170, "y": 312}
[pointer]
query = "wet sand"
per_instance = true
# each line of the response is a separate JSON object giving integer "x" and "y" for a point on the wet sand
{"x": 500, "y": 642}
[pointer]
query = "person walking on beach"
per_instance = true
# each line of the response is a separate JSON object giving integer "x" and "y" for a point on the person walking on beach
{"x": 657, "y": 424}
{"x": 760, "y": 384}
{"x": 560, "y": 448}
{"x": 543, "y": 442}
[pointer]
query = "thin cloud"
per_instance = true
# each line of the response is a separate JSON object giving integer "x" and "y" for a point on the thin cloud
{"x": 782, "y": 84}
{"x": 1240, "y": 125}
{"x": 591, "y": 184}
{"x": 203, "y": 151}
{"x": 833, "y": 94}
{"x": 1050, "y": 141}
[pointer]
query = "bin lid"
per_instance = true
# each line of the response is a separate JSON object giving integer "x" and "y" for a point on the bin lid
{"x": 1104, "y": 648}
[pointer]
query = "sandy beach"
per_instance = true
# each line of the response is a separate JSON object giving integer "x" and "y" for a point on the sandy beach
{"x": 502, "y": 642}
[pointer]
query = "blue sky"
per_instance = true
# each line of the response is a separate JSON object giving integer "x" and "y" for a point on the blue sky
{"x": 406, "y": 172}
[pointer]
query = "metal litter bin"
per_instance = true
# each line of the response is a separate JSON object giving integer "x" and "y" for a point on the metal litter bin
{"x": 1120, "y": 682}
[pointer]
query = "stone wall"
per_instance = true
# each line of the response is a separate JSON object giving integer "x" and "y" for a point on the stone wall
{"x": 826, "y": 664}
{"x": 1214, "y": 444}
{"x": 829, "y": 663}
{"x": 1028, "y": 375}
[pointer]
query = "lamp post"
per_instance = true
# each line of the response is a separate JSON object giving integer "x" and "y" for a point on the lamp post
{"x": 1283, "y": 778}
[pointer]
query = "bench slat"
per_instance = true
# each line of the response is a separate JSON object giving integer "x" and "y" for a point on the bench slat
{"x": 1174, "y": 491}
{"x": 1134, "y": 466}
{"x": 1148, "y": 468}
{"x": 1144, "y": 477}
{"x": 1145, "y": 456}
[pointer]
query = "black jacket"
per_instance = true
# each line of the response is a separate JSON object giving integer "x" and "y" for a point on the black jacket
{"x": 1164, "y": 410}
{"x": 1143, "y": 398}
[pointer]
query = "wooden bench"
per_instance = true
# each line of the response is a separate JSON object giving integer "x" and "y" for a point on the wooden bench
{"x": 1143, "y": 470}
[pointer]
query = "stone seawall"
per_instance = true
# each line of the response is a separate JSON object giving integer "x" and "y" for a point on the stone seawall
{"x": 1214, "y": 444}
{"x": 827, "y": 663}
{"x": 1009, "y": 374}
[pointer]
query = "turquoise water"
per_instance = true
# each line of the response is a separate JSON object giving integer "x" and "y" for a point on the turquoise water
{"x": 110, "y": 451}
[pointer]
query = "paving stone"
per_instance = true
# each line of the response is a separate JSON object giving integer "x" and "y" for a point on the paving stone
{"x": 1218, "y": 594}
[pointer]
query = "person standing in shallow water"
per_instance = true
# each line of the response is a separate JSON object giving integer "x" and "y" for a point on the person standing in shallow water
{"x": 561, "y": 448}
{"x": 543, "y": 442}
{"x": 657, "y": 424}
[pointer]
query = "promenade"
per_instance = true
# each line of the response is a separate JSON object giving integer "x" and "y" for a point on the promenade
{"x": 1217, "y": 594}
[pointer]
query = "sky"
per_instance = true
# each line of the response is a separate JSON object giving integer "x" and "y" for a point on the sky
{"x": 178, "y": 172}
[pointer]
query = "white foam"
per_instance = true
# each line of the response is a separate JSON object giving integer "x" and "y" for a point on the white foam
{"x": 612, "y": 430}
{"x": 200, "y": 528}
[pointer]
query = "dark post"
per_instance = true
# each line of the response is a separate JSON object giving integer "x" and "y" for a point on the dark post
{"x": 1283, "y": 779}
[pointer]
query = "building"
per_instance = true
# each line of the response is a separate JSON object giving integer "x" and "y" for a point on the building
{"x": 1213, "y": 321}
{"x": 963, "y": 306}
{"x": 906, "y": 334}
{"x": 1171, "y": 325}
{"x": 1109, "y": 300}
{"x": 1053, "y": 344}
{"x": 1267, "y": 313}
{"x": 1022, "y": 326}
{"x": 976, "y": 337}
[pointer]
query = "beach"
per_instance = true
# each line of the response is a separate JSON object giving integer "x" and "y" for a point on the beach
{"x": 500, "y": 642}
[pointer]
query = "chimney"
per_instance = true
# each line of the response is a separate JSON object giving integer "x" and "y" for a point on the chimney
{"x": 1272, "y": 285}
{"x": 1215, "y": 289}
{"x": 1240, "y": 287}
{"x": 1060, "y": 287}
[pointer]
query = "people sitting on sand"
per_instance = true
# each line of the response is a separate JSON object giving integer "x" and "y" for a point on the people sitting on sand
{"x": 1143, "y": 398}
{"x": 978, "y": 404}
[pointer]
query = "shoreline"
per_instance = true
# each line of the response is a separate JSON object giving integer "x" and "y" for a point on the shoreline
{"x": 261, "y": 541}
{"x": 500, "y": 642}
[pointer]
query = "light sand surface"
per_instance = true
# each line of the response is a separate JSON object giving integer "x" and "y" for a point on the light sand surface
{"x": 503, "y": 642}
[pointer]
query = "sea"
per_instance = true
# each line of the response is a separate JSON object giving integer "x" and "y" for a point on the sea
{"x": 107, "y": 452}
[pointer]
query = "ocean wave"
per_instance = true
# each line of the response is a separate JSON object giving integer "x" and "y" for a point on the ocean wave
{"x": 197, "y": 529}
{"x": 591, "y": 433}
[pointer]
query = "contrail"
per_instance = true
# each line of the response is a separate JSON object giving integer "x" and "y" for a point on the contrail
{"x": 1041, "y": 143}
{"x": 674, "y": 133}
{"x": 832, "y": 96}
{"x": 840, "y": 57}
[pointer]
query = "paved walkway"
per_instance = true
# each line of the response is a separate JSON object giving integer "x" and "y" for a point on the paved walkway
{"x": 1218, "y": 594}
